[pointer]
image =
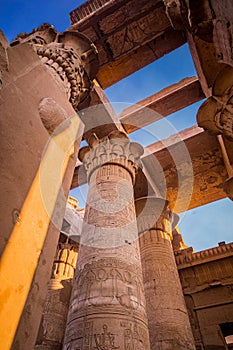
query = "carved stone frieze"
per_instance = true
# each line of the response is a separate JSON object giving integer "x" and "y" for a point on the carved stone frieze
{"x": 89, "y": 335}
{"x": 109, "y": 282}
{"x": 187, "y": 257}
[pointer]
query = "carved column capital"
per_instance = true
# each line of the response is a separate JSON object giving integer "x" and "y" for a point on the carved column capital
{"x": 115, "y": 148}
{"x": 70, "y": 56}
{"x": 216, "y": 113}
{"x": 155, "y": 213}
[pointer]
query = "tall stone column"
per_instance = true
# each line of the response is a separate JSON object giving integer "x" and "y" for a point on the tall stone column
{"x": 45, "y": 77}
{"x": 168, "y": 320}
{"x": 107, "y": 309}
{"x": 53, "y": 322}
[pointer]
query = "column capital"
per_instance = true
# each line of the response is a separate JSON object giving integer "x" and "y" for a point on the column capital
{"x": 154, "y": 213}
{"x": 216, "y": 114}
{"x": 116, "y": 148}
{"x": 70, "y": 57}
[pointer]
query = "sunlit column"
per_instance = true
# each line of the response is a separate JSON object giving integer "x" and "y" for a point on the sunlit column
{"x": 107, "y": 309}
{"x": 169, "y": 326}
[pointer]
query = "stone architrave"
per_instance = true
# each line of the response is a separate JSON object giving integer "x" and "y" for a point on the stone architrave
{"x": 107, "y": 309}
{"x": 169, "y": 326}
{"x": 53, "y": 322}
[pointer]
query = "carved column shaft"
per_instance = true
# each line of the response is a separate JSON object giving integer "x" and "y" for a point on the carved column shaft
{"x": 107, "y": 309}
{"x": 53, "y": 322}
{"x": 169, "y": 326}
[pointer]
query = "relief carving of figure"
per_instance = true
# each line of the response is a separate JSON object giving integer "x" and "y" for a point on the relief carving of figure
{"x": 105, "y": 340}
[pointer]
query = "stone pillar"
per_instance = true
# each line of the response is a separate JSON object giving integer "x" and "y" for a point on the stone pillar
{"x": 53, "y": 322}
{"x": 45, "y": 77}
{"x": 107, "y": 309}
{"x": 168, "y": 320}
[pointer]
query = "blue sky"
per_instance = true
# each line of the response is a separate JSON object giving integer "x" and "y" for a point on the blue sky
{"x": 202, "y": 227}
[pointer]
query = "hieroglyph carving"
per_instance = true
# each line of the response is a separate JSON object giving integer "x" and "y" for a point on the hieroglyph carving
{"x": 133, "y": 336}
{"x": 105, "y": 340}
{"x": 109, "y": 282}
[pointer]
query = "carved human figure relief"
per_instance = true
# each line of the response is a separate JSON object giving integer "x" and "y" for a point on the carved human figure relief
{"x": 105, "y": 340}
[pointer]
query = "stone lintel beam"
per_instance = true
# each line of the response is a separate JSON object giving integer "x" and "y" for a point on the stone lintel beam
{"x": 191, "y": 170}
{"x": 198, "y": 157}
{"x": 128, "y": 35}
{"x": 145, "y": 54}
{"x": 161, "y": 104}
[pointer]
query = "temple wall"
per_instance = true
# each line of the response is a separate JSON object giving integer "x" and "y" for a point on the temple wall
{"x": 207, "y": 282}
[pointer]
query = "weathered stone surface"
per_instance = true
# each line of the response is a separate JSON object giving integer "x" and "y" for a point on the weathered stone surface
{"x": 127, "y": 34}
{"x": 216, "y": 114}
{"x": 3, "y": 55}
{"x": 161, "y": 104}
{"x": 177, "y": 240}
{"x": 53, "y": 322}
{"x": 206, "y": 279}
{"x": 52, "y": 115}
{"x": 72, "y": 60}
{"x": 168, "y": 321}
{"x": 107, "y": 307}
{"x": 29, "y": 208}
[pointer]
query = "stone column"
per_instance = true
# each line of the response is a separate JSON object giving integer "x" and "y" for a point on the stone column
{"x": 107, "y": 309}
{"x": 45, "y": 77}
{"x": 53, "y": 322}
{"x": 168, "y": 320}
